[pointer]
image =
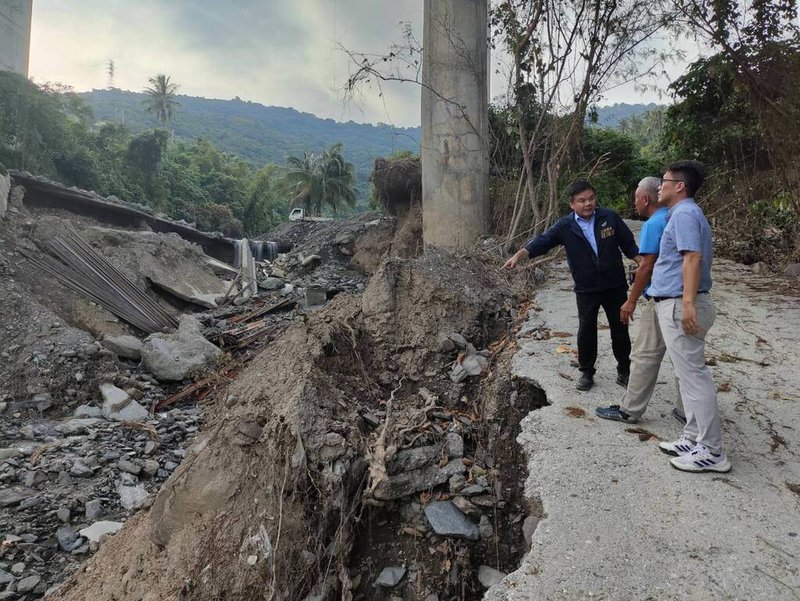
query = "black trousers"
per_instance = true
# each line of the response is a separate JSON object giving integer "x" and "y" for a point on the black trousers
{"x": 589, "y": 304}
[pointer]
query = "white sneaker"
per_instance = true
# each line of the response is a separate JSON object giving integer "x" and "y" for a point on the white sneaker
{"x": 682, "y": 446}
{"x": 700, "y": 459}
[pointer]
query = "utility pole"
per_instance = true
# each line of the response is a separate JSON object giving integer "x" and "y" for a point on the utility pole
{"x": 455, "y": 123}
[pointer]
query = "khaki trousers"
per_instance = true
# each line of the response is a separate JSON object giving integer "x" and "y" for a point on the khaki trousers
{"x": 687, "y": 354}
{"x": 646, "y": 357}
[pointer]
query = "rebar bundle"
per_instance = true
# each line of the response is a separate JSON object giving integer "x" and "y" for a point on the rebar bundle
{"x": 81, "y": 268}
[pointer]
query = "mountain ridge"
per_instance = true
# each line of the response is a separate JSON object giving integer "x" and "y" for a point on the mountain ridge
{"x": 263, "y": 134}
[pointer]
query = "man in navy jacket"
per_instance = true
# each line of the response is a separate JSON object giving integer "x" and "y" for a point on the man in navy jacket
{"x": 593, "y": 238}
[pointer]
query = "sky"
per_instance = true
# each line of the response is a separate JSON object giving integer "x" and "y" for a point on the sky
{"x": 276, "y": 52}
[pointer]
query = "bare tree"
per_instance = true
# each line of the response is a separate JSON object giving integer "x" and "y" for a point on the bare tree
{"x": 565, "y": 55}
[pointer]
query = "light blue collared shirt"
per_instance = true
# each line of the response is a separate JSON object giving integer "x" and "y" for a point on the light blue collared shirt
{"x": 687, "y": 230}
{"x": 587, "y": 227}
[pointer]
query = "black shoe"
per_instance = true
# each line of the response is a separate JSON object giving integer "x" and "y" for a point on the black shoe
{"x": 678, "y": 415}
{"x": 585, "y": 382}
{"x": 615, "y": 413}
{"x": 622, "y": 379}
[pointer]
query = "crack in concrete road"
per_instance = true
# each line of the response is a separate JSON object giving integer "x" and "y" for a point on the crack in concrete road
{"x": 619, "y": 522}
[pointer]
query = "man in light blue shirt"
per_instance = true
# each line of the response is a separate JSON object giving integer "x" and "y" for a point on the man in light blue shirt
{"x": 649, "y": 348}
{"x": 680, "y": 287}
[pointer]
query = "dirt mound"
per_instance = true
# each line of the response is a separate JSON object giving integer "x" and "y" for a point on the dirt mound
{"x": 279, "y": 496}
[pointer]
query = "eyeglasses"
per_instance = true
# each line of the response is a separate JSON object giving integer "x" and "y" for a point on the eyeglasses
{"x": 669, "y": 179}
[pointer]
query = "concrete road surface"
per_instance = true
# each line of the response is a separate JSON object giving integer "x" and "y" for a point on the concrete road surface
{"x": 620, "y": 523}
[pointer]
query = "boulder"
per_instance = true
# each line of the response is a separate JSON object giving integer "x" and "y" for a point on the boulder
{"x": 26, "y": 585}
{"x": 474, "y": 365}
{"x": 271, "y": 283}
{"x": 114, "y": 398}
{"x": 174, "y": 357}
{"x": 132, "y": 497}
{"x": 448, "y": 520}
{"x": 391, "y": 576}
{"x": 125, "y": 346}
{"x": 407, "y": 483}
{"x": 10, "y": 496}
{"x": 93, "y": 510}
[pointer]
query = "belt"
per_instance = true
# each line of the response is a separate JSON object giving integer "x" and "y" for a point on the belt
{"x": 658, "y": 299}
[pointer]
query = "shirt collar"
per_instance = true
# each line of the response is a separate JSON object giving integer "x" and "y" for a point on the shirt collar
{"x": 578, "y": 218}
{"x": 679, "y": 203}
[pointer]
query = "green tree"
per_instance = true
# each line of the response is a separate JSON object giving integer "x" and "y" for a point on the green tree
{"x": 265, "y": 201}
{"x": 713, "y": 120}
{"x": 161, "y": 99}
{"x": 145, "y": 156}
{"x": 322, "y": 180}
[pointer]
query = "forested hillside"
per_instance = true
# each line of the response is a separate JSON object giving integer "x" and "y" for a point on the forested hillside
{"x": 259, "y": 134}
{"x": 268, "y": 134}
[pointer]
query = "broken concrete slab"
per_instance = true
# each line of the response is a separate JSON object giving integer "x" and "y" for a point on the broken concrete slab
{"x": 129, "y": 347}
{"x": 220, "y": 267}
{"x": 99, "y": 529}
{"x": 173, "y": 357}
{"x": 189, "y": 291}
{"x": 448, "y": 520}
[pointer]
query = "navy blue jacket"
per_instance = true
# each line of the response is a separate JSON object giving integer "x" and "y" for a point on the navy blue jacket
{"x": 591, "y": 273}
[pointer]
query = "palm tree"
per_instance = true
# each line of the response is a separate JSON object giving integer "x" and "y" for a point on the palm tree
{"x": 322, "y": 179}
{"x": 161, "y": 101}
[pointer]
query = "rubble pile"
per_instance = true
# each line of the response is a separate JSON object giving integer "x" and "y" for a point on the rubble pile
{"x": 67, "y": 482}
{"x": 346, "y": 429}
{"x": 344, "y": 459}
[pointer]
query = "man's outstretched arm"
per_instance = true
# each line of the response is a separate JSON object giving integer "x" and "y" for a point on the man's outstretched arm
{"x": 522, "y": 253}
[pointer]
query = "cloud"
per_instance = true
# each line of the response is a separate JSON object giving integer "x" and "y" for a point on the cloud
{"x": 277, "y": 52}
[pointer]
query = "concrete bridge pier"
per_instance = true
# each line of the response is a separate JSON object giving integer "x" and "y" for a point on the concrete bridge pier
{"x": 455, "y": 123}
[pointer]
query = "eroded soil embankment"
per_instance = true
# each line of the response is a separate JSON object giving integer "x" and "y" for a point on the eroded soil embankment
{"x": 318, "y": 469}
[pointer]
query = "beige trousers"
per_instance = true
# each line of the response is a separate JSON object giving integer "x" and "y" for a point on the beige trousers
{"x": 687, "y": 354}
{"x": 646, "y": 357}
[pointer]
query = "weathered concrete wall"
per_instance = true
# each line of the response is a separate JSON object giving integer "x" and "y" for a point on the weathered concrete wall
{"x": 15, "y": 35}
{"x": 455, "y": 99}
